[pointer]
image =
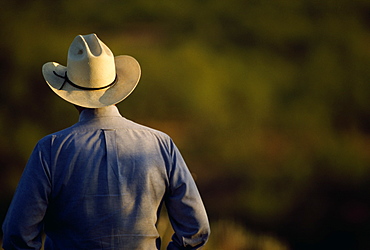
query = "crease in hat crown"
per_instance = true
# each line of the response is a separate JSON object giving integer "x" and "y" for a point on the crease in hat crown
{"x": 90, "y": 62}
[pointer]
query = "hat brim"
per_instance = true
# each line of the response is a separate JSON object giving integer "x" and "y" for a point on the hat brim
{"x": 128, "y": 74}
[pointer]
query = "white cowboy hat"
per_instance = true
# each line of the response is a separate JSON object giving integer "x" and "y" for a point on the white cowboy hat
{"x": 93, "y": 78}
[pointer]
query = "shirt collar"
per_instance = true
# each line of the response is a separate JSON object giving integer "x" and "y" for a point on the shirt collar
{"x": 88, "y": 114}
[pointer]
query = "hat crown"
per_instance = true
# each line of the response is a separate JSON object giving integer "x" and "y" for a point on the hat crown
{"x": 90, "y": 62}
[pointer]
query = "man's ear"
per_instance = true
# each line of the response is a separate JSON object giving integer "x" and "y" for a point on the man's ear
{"x": 79, "y": 108}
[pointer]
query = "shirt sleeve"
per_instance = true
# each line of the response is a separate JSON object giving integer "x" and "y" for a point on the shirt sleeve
{"x": 185, "y": 207}
{"x": 23, "y": 224}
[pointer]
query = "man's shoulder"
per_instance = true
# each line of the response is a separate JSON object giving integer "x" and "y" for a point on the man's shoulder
{"x": 140, "y": 127}
{"x": 47, "y": 140}
{"x": 146, "y": 131}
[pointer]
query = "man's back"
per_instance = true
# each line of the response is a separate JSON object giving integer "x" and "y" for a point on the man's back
{"x": 105, "y": 180}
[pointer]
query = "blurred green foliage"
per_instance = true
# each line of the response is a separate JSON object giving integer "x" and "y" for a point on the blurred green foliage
{"x": 269, "y": 101}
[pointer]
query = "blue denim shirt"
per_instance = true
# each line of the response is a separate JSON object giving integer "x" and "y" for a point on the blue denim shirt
{"x": 100, "y": 184}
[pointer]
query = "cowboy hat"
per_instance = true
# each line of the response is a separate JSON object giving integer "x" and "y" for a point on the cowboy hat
{"x": 93, "y": 77}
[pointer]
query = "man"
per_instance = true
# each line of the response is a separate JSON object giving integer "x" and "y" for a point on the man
{"x": 100, "y": 183}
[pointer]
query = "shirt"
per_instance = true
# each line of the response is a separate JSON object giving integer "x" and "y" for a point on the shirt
{"x": 100, "y": 184}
